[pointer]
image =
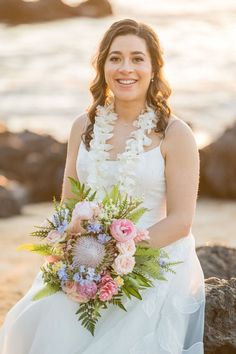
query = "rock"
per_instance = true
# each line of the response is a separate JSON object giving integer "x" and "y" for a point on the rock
{"x": 18, "y": 11}
{"x": 220, "y": 316}
{"x": 95, "y": 8}
{"x": 36, "y": 161}
{"x": 9, "y": 205}
{"x": 217, "y": 261}
{"x": 218, "y": 166}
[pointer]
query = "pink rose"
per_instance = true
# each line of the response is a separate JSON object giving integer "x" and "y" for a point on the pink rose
{"x": 55, "y": 236}
{"x": 123, "y": 264}
{"x": 127, "y": 247}
{"x": 85, "y": 210}
{"x": 89, "y": 290}
{"x": 107, "y": 288}
{"x": 71, "y": 290}
{"x": 142, "y": 235}
{"x": 123, "y": 230}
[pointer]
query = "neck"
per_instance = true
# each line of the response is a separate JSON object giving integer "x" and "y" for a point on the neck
{"x": 128, "y": 111}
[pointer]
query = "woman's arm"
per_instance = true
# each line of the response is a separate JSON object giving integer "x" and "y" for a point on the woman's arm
{"x": 182, "y": 179}
{"x": 74, "y": 141}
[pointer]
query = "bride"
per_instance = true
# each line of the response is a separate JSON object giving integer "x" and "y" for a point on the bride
{"x": 130, "y": 136}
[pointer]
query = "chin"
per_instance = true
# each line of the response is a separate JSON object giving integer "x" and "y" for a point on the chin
{"x": 127, "y": 98}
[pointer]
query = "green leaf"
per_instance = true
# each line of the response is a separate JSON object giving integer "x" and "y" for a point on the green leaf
{"x": 136, "y": 215}
{"x": 46, "y": 291}
{"x": 44, "y": 250}
{"x": 147, "y": 251}
{"x": 134, "y": 292}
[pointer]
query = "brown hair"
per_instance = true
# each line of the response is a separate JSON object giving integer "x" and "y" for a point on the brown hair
{"x": 159, "y": 89}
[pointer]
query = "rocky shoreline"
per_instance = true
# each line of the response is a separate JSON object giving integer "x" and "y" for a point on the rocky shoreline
{"x": 15, "y": 12}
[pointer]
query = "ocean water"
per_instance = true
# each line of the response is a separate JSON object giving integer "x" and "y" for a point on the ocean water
{"x": 45, "y": 69}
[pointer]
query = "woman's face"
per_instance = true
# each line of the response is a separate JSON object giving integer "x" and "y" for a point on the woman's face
{"x": 128, "y": 68}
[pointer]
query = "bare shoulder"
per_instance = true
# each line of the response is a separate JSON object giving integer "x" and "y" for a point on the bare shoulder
{"x": 80, "y": 123}
{"x": 179, "y": 137}
{"x": 78, "y": 127}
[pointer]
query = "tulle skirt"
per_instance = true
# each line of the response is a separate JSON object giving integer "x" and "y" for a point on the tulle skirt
{"x": 169, "y": 319}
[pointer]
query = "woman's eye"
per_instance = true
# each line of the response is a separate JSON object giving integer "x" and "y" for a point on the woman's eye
{"x": 138, "y": 59}
{"x": 113, "y": 58}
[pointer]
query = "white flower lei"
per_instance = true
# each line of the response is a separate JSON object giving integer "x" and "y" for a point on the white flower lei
{"x": 100, "y": 173}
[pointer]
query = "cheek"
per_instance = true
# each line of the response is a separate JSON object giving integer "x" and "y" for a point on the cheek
{"x": 108, "y": 71}
{"x": 145, "y": 69}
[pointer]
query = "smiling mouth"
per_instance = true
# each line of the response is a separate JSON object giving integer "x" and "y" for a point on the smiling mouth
{"x": 126, "y": 82}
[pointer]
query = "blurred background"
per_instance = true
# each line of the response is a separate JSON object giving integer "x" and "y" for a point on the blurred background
{"x": 46, "y": 48}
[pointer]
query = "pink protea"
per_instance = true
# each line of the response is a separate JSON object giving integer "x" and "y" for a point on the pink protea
{"x": 123, "y": 230}
{"x": 108, "y": 289}
{"x": 142, "y": 235}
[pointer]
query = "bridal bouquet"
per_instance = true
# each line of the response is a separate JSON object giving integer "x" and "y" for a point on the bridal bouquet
{"x": 95, "y": 254}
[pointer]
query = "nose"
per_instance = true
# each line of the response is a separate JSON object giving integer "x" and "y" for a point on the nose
{"x": 126, "y": 66}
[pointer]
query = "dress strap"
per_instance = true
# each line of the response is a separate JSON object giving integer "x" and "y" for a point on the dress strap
{"x": 168, "y": 125}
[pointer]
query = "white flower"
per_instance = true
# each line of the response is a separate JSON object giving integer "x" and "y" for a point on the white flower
{"x": 101, "y": 177}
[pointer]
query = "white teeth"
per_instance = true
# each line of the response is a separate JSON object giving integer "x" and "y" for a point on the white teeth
{"x": 126, "y": 82}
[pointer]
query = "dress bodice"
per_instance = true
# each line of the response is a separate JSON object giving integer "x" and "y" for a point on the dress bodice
{"x": 149, "y": 176}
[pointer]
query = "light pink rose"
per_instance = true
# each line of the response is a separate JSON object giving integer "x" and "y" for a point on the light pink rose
{"x": 123, "y": 264}
{"x": 127, "y": 247}
{"x": 55, "y": 236}
{"x": 85, "y": 210}
{"x": 71, "y": 290}
{"x": 107, "y": 288}
{"x": 142, "y": 235}
{"x": 123, "y": 230}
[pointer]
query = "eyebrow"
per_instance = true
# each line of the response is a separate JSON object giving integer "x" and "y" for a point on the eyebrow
{"x": 118, "y": 52}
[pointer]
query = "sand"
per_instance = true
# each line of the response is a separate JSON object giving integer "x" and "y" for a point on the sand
{"x": 215, "y": 222}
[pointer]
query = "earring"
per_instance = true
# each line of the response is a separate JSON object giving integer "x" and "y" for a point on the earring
{"x": 152, "y": 79}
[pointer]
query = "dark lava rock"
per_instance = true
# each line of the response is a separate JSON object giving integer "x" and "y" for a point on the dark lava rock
{"x": 36, "y": 161}
{"x": 220, "y": 316}
{"x": 9, "y": 205}
{"x": 17, "y": 11}
{"x": 218, "y": 166}
{"x": 95, "y": 8}
{"x": 217, "y": 261}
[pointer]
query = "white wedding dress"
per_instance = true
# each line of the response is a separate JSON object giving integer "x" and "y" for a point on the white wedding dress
{"x": 169, "y": 319}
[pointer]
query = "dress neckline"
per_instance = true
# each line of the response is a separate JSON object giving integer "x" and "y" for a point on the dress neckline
{"x": 158, "y": 148}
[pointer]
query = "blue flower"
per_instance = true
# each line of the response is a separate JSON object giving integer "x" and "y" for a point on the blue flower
{"x": 82, "y": 281}
{"x": 89, "y": 277}
{"x": 55, "y": 220}
{"x": 77, "y": 277}
{"x": 62, "y": 227}
{"x": 162, "y": 262}
{"x": 95, "y": 227}
{"x": 97, "y": 277}
{"x": 62, "y": 273}
{"x": 103, "y": 238}
{"x": 90, "y": 271}
{"x": 82, "y": 268}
